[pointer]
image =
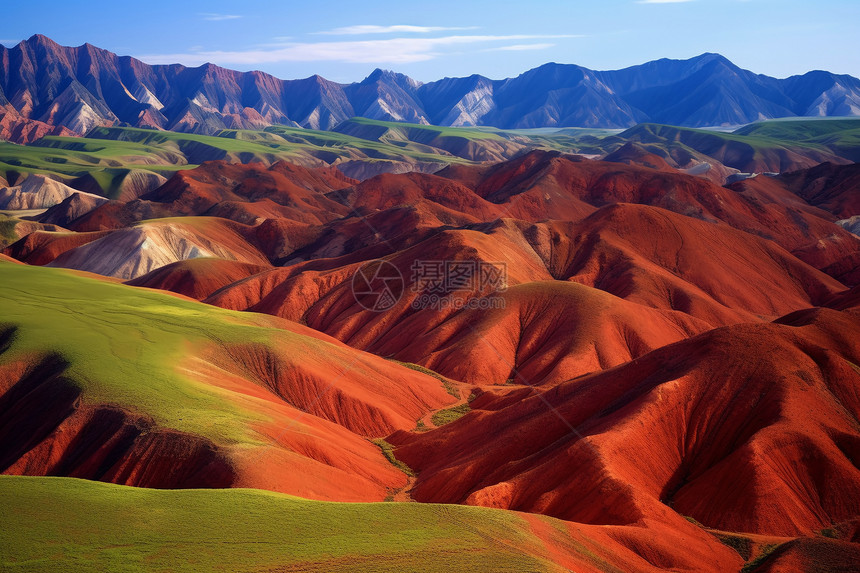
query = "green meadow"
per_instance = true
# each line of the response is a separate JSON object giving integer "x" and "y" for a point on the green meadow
{"x": 70, "y": 525}
{"x": 130, "y": 346}
{"x": 841, "y": 136}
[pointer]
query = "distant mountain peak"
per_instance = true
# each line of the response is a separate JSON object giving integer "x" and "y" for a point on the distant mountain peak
{"x": 380, "y": 74}
{"x": 709, "y": 56}
{"x": 40, "y": 38}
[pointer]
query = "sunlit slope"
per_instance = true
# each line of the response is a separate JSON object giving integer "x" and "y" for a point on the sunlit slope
{"x": 109, "y": 382}
{"x": 53, "y": 524}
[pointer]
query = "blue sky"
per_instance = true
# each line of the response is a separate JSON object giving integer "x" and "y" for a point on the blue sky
{"x": 344, "y": 41}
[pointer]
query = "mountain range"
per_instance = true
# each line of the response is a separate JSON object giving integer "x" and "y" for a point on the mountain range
{"x": 46, "y": 88}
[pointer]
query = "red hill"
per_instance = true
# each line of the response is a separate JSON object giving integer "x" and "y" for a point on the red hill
{"x": 708, "y": 270}
{"x": 289, "y": 190}
{"x": 828, "y": 186}
{"x": 449, "y": 201}
{"x": 42, "y": 247}
{"x": 745, "y": 428}
{"x": 544, "y": 333}
{"x": 197, "y": 278}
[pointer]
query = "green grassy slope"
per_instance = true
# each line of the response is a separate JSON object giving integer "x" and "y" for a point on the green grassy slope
{"x": 571, "y": 134}
{"x": 707, "y": 140}
{"x": 68, "y": 158}
{"x": 798, "y": 129}
{"x": 346, "y": 146}
{"x": 70, "y": 525}
{"x": 108, "y": 153}
{"x": 7, "y": 230}
{"x": 467, "y": 142}
{"x": 842, "y": 136}
{"x": 394, "y": 129}
{"x": 196, "y": 149}
{"x": 751, "y": 151}
{"x": 113, "y": 336}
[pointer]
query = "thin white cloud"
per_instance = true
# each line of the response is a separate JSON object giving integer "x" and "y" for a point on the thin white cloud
{"x": 397, "y": 29}
{"x": 389, "y": 51}
{"x": 219, "y": 17}
{"x": 520, "y": 47}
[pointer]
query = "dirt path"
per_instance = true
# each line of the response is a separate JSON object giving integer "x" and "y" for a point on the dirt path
{"x": 427, "y": 419}
{"x": 425, "y": 423}
{"x": 404, "y": 493}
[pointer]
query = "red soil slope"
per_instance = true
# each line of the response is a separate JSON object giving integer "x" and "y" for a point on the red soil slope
{"x": 812, "y": 554}
{"x": 243, "y": 193}
{"x": 687, "y": 264}
{"x": 319, "y": 292}
{"x": 546, "y": 332}
{"x": 687, "y": 161}
{"x": 449, "y": 201}
{"x": 845, "y": 300}
{"x": 197, "y": 278}
{"x": 285, "y": 189}
{"x": 710, "y": 271}
{"x": 834, "y": 188}
{"x": 569, "y": 187}
{"x": 42, "y": 247}
{"x": 745, "y": 428}
{"x": 643, "y": 547}
{"x": 119, "y": 214}
{"x": 547, "y": 185}
{"x": 352, "y": 238}
{"x": 803, "y": 229}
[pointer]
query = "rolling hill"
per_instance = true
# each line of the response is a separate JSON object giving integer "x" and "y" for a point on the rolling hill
{"x": 395, "y": 537}
{"x": 139, "y": 387}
